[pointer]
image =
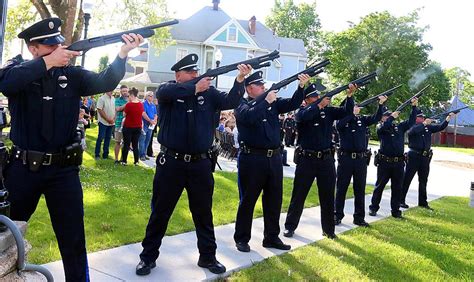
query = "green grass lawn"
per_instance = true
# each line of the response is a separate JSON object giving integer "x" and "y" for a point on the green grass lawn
{"x": 426, "y": 246}
{"x": 469, "y": 151}
{"x": 117, "y": 206}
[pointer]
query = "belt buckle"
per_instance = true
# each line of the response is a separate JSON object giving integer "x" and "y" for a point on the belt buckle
{"x": 353, "y": 155}
{"x": 187, "y": 158}
{"x": 269, "y": 153}
{"x": 48, "y": 161}
{"x": 395, "y": 159}
{"x": 319, "y": 155}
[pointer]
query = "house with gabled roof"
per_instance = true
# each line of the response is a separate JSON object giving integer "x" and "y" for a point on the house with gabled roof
{"x": 211, "y": 30}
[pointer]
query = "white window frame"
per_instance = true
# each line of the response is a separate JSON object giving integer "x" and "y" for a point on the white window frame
{"x": 236, "y": 34}
{"x": 178, "y": 52}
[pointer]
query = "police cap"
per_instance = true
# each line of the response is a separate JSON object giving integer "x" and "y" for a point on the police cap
{"x": 45, "y": 32}
{"x": 255, "y": 78}
{"x": 188, "y": 63}
{"x": 386, "y": 111}
{"x": 420, "y": 114}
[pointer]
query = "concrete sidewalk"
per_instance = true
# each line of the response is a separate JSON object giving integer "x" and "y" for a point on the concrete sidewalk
{"x": 179, "y": 254}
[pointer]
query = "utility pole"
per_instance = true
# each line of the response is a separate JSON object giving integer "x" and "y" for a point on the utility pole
{"x": 459, "y": 87}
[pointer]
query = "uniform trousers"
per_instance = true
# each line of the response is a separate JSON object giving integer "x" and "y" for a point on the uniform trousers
{"x": 348, "y": 168}
{"x": 259, "y": 173}
{"x": 62, "y": 190}
{"x": 386, "y": 171}
{"x": 421, "y": 164}
{"x": 172, "y": 176}
{"x": 307, "y": 169}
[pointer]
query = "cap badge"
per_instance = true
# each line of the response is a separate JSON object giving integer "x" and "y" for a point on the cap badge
{"x": 51, "y": 25}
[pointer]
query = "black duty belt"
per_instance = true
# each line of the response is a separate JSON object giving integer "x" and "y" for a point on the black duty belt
{"x": 183, "y": 156}
{"x": 318, "y": 154}
{"x": 424, "y": 153}
{"x": 353, "y": 155}
{"x": 262, "y": 152}
{"x": 42, "y": 158}
{"x": 391, "y": 159}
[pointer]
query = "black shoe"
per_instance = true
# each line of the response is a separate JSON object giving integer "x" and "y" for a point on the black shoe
{"x": 397, "y": 215}
{"x": 243, "y": 247}
{"x": 144, "y": 268}
{"x": 117, "y": 162}
{"x": 330, "y": 235}
{"x": 362, "y": 223}
{"x": 288, "y": 233}
{"x": 404, "y": 206}
{"x": 372, "y": 213}
{"x": 212, "y": 265}
{"x": 276, "y": 244}
{"x": 427, "y": 207}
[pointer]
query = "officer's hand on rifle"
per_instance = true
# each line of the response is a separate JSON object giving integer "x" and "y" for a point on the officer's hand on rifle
{"x": 59, "y": 57}
{"x": 271, "y": 97}
{"x": 395, "y": 114}
{"x": 356, "y": 110}
{"x": 244, "y": 70}
{"x": 352, "y": 89}
{"x": 382, "y": 99}
{"x": 414, "y": 102}
{"x": 303, "y": 78}
{"x": 203, "y": 84}
{"x": 448, "y": 118}
{"x": 427, "y": 121}
{"x": 132, "y": 41}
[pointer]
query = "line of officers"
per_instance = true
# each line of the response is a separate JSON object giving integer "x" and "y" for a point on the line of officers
{"x": 187, "y": 121}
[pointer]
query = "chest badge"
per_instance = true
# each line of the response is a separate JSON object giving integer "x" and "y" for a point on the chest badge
{"x": 359, "y": 123}
{"x": 200, "y": 100}
{"x": 62, "y": 81}
{"x": 323, "y": 114}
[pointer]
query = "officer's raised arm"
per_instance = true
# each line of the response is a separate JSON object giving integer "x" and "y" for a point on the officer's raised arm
{"x": 232, "y": 99}
{"x": 293, "y": 103}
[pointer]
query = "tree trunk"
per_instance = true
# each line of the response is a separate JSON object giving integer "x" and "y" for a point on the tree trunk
{"x": 41, "y": 8}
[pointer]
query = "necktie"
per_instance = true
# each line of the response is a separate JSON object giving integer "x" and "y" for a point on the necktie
{"x": 48, "y": 86}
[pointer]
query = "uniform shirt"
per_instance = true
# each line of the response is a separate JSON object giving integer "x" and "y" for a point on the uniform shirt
{"x": 107, "y": 104}
{"x": 119, "y": 102}
{"x": 187, "y": 121}
{"x": 133, "y": 115}
{"x": 258, "y": 121}
{"x": 392, "y": 136}
{"x": 150, "y": 110}
{"x": 353, "y": 131}
{"x": 21, "y": 82}
{"x": 315, "y": 125}
{"x": 419, "y": 136}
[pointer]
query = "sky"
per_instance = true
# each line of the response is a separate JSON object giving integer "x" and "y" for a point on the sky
{"x": 450, "y": 22}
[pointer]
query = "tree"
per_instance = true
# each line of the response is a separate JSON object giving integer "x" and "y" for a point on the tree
{"x": 392, "y": 46}
{"x": 458, "y": 75}
{"x": 103, "y": 63}
{"x": 289, "y": 20}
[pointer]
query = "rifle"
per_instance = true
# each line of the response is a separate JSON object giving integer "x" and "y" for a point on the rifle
{"x": 448, "y": 112}
{"x": 376, "y": 97}
{"x": 314, "y": 69}
{"x": 359, "y": 82}
{"x": 89, "y": 43}
{"x": 407, "y": 102}
{"x": 256, "y": 63}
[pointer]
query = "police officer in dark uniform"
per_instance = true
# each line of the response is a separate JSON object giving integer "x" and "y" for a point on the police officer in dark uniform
{"x": 44, "y": 96}
{"x": 390, "y": 160}
{"x": 419, "y": 156}
{"x": 316, "y": 158}
{"x": 289, "y": 125}
{"x": 260, "y": 163}
{"x": 352, "y": 161}
{"x": 187, "y": 125}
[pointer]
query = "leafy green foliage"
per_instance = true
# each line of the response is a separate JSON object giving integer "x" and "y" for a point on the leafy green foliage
{"x": 297, "y": 21}
{"x": 19, "y": 17}
{"x": 392, "y": 46}
{"x": 458, "y": 75}
{"x": 103, "y": 63}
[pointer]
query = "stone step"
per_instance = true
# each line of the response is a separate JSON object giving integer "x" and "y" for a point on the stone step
{"x": 8, "y": 260}
{"x": 6, "y": 238}
{"x": 29, "y": 276}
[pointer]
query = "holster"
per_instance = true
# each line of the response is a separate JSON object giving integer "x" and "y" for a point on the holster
{"x": 213, "y": 155}
{"x": 35, "y": 160}
{"x": 376, "y": 158}
{"x": 297, "y": 155}
{"x": 368, "y": 156}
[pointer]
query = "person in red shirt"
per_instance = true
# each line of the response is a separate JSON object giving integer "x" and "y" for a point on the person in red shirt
{"x": 132, "y": 125}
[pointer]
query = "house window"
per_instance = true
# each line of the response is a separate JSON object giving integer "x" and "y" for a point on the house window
{"x": 138, "y": 70}
{"x": 209, "y": 60}
{"x": 232, "y": 34}
{"x": 181, "y": 53}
